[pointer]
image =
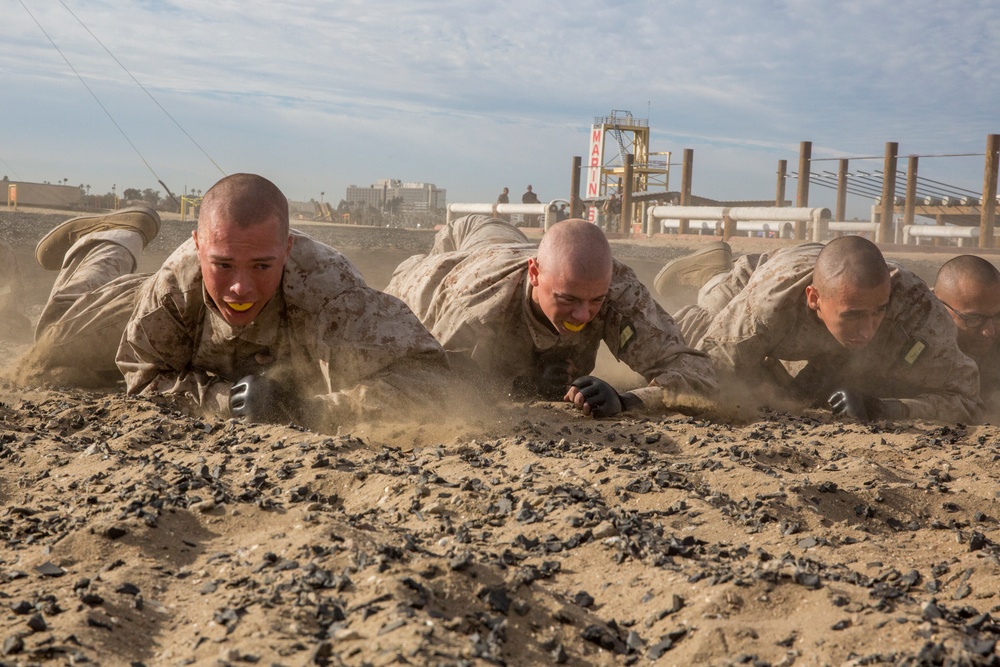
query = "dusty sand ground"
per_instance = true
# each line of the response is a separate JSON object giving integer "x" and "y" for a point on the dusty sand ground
{"x": 134, "y": 533}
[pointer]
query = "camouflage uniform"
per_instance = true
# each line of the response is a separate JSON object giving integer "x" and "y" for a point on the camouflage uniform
{"x": 756, "y": 316}
{"x": 472, "y": 291}
{"x": 989, "y": 382}
{"x": 359, "y": 350}
{"x": 77, "y": 335}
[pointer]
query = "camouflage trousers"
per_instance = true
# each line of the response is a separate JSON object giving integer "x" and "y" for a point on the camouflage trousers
{"x": 714, "y": 296}
{"x": 81, "y": 326}
{"x": 475, "y": 231}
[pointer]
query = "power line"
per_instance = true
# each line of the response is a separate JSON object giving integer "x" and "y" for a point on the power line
{"x": 92, "y": 94}
{"x": 150, "y": 95}
{"x": 954, "y": 187}
{"x": 871, "y": 184}
{"x": 10, "y": 168}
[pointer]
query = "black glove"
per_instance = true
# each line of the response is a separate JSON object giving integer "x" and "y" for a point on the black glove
{"x": 865, "y": 408}
{"x": 549, "y": 383}
{"x": 601, "y": 397}
{"x": 263, "y": 400}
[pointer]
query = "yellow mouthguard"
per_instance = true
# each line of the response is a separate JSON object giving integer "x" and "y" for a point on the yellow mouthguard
{"x": 240, "y": 306}
{"x": 574, "y": 327}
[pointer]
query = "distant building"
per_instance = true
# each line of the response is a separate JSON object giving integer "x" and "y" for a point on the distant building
{"x": 415, "y": 197}
{"x": 40, "y": 194}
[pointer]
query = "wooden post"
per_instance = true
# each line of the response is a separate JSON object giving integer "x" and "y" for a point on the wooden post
{"x": 802, "y": 194}
{"x": 575, "y": 207}
{"x": 779, "y": 192}
{"x": 842, "y": 170}
{"x": 687, "y": 164}
{"x": 625, "y": 224}
{"x": 987, "y": 220}
{"x": 886, "y": 231}
{"x": 911, "y": 191}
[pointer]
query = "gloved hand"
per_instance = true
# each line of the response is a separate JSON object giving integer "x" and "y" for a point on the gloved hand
{"x": 263, "y": 400}
{"x": 865, "y": 408}
{"x": 601, "y": 399}
{"x": 549, "y": 384}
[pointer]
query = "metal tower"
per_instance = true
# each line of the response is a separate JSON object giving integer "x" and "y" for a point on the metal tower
{"x": 611, "y": 139}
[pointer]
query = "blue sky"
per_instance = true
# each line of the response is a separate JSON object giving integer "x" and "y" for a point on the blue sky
{"x": 474, "y": 96}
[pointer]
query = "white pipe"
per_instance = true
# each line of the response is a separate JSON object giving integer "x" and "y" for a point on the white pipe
{"x": 695, "y": 212}
{"x": 939, "y": 231}
{"x": 942, "y": 231}
{"x": 864, "y": 227}
{"x": 784, "y": 214}
{"x": 762, "y": 225}
{"x": 697, "y": 225}
{"x": 488, "y": 209}
{"x": 747, "y": 213}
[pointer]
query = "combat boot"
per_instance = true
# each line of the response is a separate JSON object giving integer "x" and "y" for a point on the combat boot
{"x": 694, "y": 270}
{"x": 51, "y": 250}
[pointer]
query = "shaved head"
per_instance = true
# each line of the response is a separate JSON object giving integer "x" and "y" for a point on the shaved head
{"x": 576, "y": 247}
{"x": 850, "y": 290}
{"x": 969, "y": 286}
{"x": 244, "y": 200}
{"x": 849, "y": 261}
{"x": 571, "y": 275}
{"x": 965, "y": 270}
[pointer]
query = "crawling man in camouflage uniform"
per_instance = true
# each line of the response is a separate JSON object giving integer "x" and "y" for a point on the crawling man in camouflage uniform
{"x": 969, "y": 287}
{"x": 877, "y": 342}
{"x": 528, "y": 321}
{"x": 247, "y": 317}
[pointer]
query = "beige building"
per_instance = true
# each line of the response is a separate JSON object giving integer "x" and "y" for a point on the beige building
{"x": 41, "y": 194}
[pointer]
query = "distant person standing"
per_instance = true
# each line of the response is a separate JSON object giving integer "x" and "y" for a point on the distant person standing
{"x": 612, "y": 207}
{"x": 530, "y": 197}
{"x": 504, "y": 198}
{"x": 562, "y": 213}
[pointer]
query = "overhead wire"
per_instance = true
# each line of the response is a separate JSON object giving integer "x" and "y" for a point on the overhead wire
{"x": 92, "y": 93}
{"x": 148, "y": 94}
{"x": 870, "y": 184}
{"x": 10, "y": 168}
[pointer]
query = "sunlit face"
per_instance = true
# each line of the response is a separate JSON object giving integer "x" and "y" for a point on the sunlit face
{"x": 975, "y": 310}
{"x": 852, "y": 315}
{"x": 569, "y": 302}
{"x": 242, "y": 267}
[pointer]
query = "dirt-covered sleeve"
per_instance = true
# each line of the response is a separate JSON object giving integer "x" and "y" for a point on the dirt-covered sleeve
{"x": 639, "y": 332}
{"x": 377, "y": 358}
{"x": 157, "y": 347}
{"x": 924, "y": 367}
{"x": 738, "y": 341}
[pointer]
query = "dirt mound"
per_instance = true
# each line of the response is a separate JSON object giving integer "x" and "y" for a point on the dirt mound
{"x": 135, "y": 533}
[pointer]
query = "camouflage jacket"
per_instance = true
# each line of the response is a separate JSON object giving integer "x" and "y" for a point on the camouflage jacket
{"x": 331, "y": 336}
{"x": 758, "y": 314}
{"x": 477, "y": 303}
